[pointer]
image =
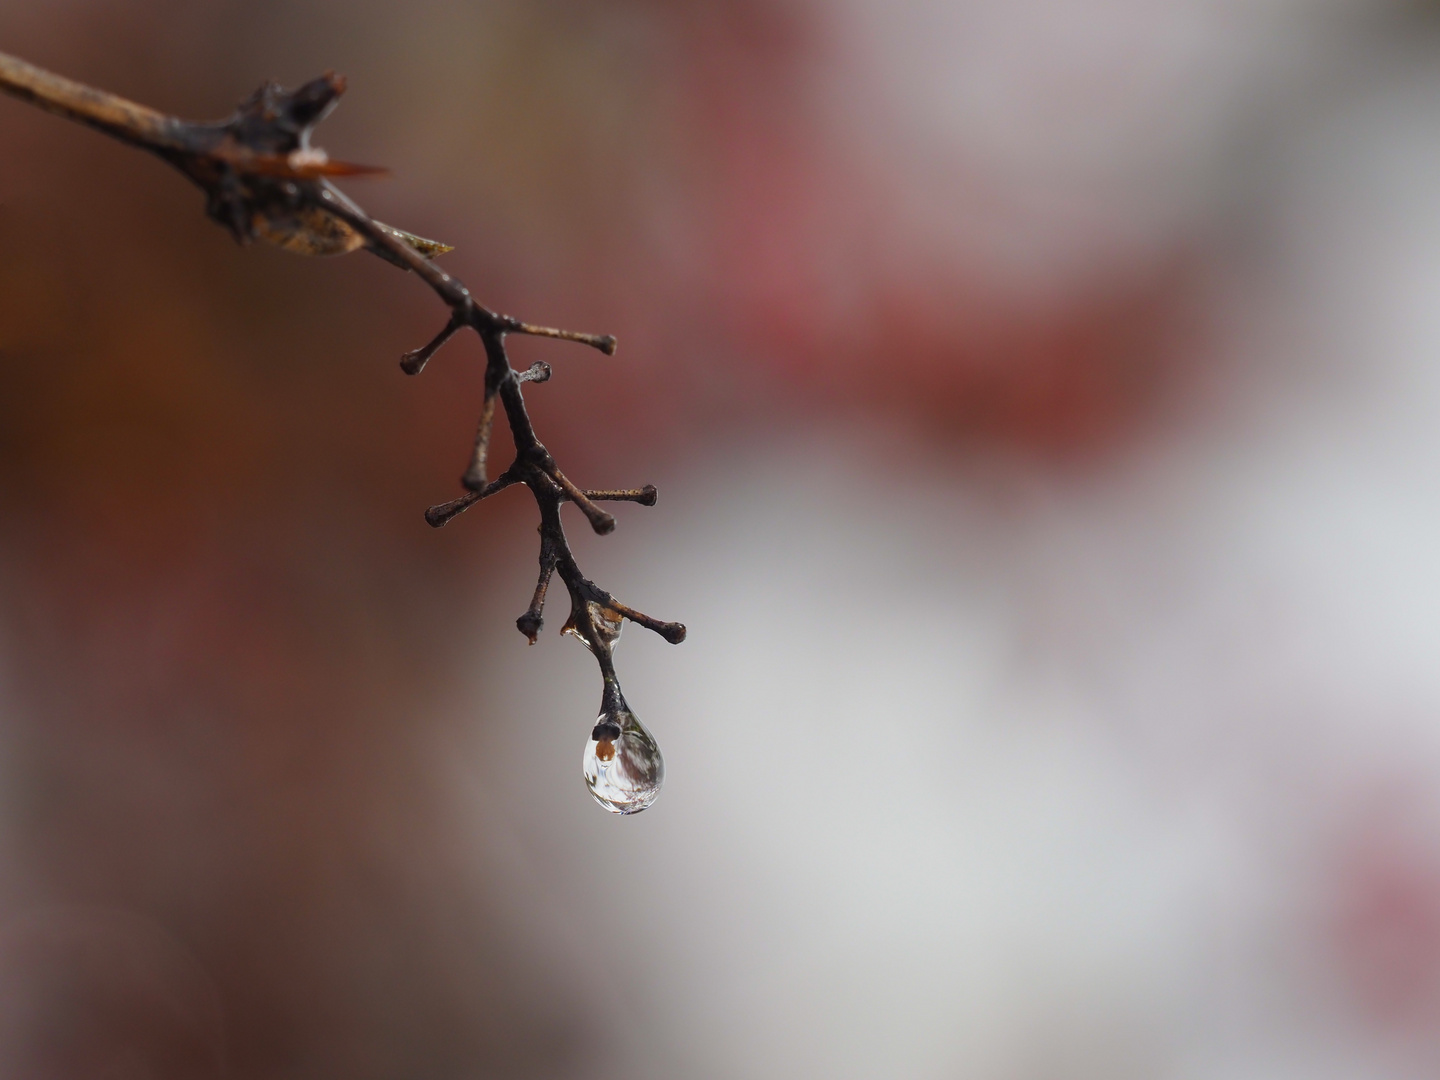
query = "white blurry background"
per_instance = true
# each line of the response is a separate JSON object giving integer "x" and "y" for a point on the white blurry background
{"x": 979, "y": 769}
{"x": 1020, "y": 734}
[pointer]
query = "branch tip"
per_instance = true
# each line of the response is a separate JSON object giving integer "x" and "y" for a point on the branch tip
{"x": 530, "y": 624}
{"x": 600, "y": 521}
{"x": 441, "y": 514}
{"x": 604, "y": 342}
{"x": 412, "y": 363}
{"x": 645, "y": 496}
{"x": 673, "y": 632}
{"x": 475, "y": 475}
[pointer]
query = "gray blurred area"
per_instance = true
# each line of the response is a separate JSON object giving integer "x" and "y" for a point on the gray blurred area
{"x": 1044, "y": 401}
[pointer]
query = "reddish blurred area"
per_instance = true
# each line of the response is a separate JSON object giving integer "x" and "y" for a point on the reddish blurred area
{"x": 1387, "y": 923}
{"x": 800, "y": 251}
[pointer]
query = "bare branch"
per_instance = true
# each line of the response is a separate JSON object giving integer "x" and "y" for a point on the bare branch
{"x": 263, "y": 180}
{"x": 412, "y": 363}
{"x": 474, "y": 477}
{"x": 600, "y": 521}
{"x": 439, "y": 516}
{"x": 138, "y": 125}
{"x": 604, "y": 342}
{"x": 532, "y": 621}
{"x": 645, "y": 496}
{"x": 673, "y": 632}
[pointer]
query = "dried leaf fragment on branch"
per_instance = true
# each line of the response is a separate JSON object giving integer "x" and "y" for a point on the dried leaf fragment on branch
{"x": 263, "y": 180}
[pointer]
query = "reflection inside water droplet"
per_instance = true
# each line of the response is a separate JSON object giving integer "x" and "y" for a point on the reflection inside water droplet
{"x": 608, "y": 624}
{"x": 622, "y": 767}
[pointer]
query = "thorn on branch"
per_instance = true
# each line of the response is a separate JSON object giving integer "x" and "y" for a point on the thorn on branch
{"x": 537, "y": 372}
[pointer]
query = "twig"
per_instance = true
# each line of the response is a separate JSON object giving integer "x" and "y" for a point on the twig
{"x": 263, "y": 180}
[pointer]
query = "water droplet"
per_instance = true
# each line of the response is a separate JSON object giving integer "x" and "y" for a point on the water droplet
{"x": 623, "y": 767}
{"x": 608, "y": 624}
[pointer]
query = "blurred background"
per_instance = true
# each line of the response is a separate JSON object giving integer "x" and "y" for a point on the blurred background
{"x": 1043, "y": 401}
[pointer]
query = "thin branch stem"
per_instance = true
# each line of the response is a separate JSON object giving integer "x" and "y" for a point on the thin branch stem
{"x": 533, "y": 620}
{"x": 604, "y": 342}
{"x": 474, "y": 477}
{"x": 412, "y": 363}
{"x": 138, "y": 125}
{"x": 645, "y": 496}
{"x": 673, "y": 632}
{"x": 440, "y": 515}
{"x": 600, "y": 521}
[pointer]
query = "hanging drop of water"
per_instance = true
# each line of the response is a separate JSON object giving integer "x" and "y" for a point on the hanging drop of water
{"x": 622, "y": 767}
{"x": 608, "y": 624}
